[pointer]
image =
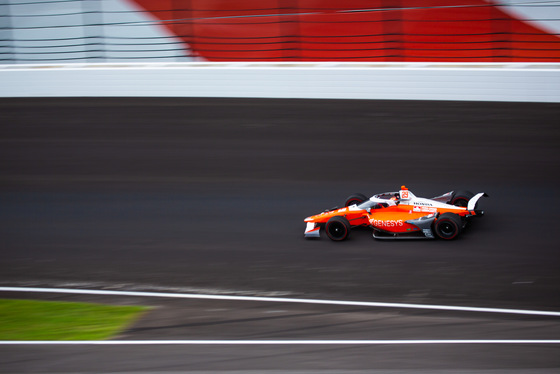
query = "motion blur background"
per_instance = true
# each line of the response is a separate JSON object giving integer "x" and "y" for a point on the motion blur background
{"x": 39, "y": 31}
{"x": 204, "y": 188}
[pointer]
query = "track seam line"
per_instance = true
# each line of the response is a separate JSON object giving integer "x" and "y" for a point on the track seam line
{"x": 279, "y": 300}
{"x": 274, "y": 342}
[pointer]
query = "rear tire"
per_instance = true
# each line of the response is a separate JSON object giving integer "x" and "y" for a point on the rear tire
{"x": 448, "y": 226}
{"x": 356, "y": 198}
{"x": 338, "y": 228}
{"x": 461, "y": 198}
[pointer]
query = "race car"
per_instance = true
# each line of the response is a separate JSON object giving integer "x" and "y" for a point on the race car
{"x": 398, "y": 215}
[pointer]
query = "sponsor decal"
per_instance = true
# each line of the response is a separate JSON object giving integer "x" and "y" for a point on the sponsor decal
{"x": 388, "y": 223}
{"x": 424, "y": 209}
{"x": 428, "y": 233}
{"x": 428, "y": 210}
{"x": 421, "y": 203}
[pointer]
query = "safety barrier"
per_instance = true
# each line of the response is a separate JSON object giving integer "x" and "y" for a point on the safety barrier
{"x": 386, "y": 81}
{"x": 33, "y": 31}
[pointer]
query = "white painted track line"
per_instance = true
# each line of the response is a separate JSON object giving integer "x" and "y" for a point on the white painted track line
{"x": 271, "y": 342}
{"x": 279, "y": 300}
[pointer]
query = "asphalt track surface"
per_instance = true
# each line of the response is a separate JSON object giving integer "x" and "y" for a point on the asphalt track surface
{"x": 209, "y": 195}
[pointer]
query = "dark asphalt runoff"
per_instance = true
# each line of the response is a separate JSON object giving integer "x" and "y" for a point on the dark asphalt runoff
{"x": 209, "y": 196}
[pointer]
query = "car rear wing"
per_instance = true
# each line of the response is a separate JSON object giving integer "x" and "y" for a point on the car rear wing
{"x": 474, "y": 200}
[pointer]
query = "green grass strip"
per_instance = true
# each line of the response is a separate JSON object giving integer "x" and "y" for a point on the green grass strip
{"x": 48, "y": 320}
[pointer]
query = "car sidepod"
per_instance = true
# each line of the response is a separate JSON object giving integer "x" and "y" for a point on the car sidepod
{"x": 416, "y": 227}
{"x": 424, "y": 224}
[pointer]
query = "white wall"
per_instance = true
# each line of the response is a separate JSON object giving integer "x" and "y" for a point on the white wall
{"x": 406, "y": 81}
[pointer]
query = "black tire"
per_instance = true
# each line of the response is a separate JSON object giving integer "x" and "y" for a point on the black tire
{"x": 338, "y": 228}
{"x": 448, "y": 226}
{"x": 461, "y": 198}
{"x": 356, "y": 198}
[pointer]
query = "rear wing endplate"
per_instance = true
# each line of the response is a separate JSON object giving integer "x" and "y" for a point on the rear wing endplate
{"x": 474, "y": 200}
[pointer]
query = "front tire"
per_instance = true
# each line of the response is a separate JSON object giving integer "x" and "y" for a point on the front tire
{"x": 356, "y": 198}
{"x": 338, "y": 228}
{"x": 448, "y": 226}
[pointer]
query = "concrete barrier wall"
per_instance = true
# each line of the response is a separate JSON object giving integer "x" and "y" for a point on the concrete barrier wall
{"x": 539, "y": 82}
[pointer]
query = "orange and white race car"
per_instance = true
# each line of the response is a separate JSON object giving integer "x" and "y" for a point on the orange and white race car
{"x": 398, "y": 215}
